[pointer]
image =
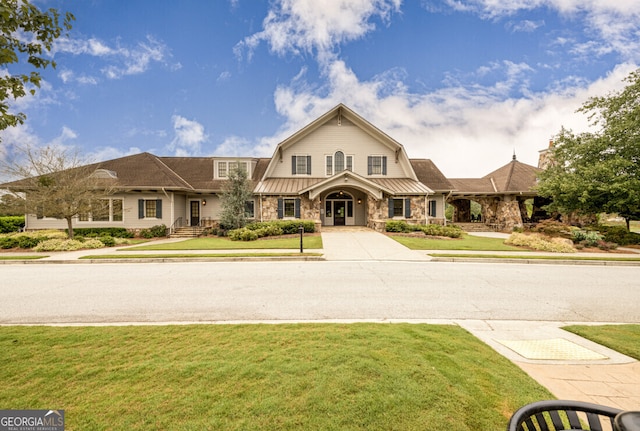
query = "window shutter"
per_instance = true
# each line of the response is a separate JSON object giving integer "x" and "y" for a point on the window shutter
{"x": 308, "y": 165}
{"x": 297, "y": 209}
{"x": 384, "y": 165}
{"x": 159, "y": 208}
{"x": 140, "y": 208}
{"x": 432, "y": 208}
{"x": 390, "y": 207}
{"x": 369, "y": 165}
{"x": 407, "y": 208}
{"x": 280, "y": 208}
{"x": 293, "y": 165}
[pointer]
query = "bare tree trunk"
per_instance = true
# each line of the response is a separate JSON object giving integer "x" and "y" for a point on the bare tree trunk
{"x": 628, "y": 221}
{"x": 70, "y": 226}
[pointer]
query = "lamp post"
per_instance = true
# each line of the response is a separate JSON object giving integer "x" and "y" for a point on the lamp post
{"x": 301, "y": 231}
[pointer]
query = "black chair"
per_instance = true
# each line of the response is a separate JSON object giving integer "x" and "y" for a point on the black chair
{"x": 555, "y": 415}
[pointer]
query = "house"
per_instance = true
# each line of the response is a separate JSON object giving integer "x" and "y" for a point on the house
{"x": 339, "y": 170}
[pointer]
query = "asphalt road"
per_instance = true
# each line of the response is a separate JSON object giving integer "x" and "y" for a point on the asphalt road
{"x": 258, "y": 291}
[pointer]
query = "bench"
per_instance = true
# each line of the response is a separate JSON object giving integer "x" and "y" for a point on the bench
{"x": 555, "y": 415}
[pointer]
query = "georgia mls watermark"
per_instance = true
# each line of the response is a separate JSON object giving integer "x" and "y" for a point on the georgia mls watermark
{"x": 31, "y": 420}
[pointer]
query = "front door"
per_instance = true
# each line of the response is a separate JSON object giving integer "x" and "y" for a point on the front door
{"x": 339, "y": 209}
{"x": 195, "y": 213}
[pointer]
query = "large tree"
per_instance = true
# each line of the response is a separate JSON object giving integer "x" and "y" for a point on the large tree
{"x": 236, "y": 193}
{"x": 56, "y": 182}
{"x": 599, "y": 171}
{"x": 26, "y": 35}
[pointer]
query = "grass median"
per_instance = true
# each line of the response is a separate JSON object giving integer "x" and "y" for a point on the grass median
{"x": 262, "y": 377}
{"x": 621, "y": 338}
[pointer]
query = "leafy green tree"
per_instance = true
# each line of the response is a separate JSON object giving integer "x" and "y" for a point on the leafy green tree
{"x": 26, "y": 34}
{"x": 599, "y": 171}
{"x": 235, "y": 195}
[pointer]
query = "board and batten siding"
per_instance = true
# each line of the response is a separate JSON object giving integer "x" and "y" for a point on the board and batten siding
{"x": 331, "y": 137}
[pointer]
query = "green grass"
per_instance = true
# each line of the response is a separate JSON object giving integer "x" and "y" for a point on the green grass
{"x": 217, "y": 243}
{"x": 531, "y": 257}
{"x": 262, "y": 377}
{"x": 195, "y": 255}
{"x": 22, "y": 257}
{"x": 467, "y": 242}
{"x": 621, "y": 338}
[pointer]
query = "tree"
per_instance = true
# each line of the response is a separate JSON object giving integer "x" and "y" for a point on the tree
{"x": 55, "y": 182}
{"x": 25, "y": 33}
{"x": 235, "y": 195}
{"x": 599, "y": 171}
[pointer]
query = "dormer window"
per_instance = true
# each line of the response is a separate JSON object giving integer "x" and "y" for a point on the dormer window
{"x": 223, "y": 167}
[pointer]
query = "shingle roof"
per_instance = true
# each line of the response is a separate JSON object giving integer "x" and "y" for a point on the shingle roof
{"x": 429, "y": 175}
{"x": 514, "y": 177}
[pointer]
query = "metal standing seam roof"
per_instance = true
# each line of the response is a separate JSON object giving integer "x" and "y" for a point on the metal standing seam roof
{"x": 293, "y": 186}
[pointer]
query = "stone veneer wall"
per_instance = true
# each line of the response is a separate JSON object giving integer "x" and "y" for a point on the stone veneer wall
{"x": 378, "y": 212}
{"x": 309, "y": 209}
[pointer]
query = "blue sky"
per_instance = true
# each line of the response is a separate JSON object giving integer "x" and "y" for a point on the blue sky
{"x": 462, "y": 82}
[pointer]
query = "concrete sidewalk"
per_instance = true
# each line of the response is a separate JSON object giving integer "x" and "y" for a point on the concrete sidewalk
{"x": 569, "y": 366}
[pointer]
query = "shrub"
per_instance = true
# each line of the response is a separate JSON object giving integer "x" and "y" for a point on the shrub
{"x": 59, "y": 245}
{"x": 439, "y": 230}
{"x": 619, "y": 235}
{"x": 107, "y": 241}
{"x": 158, "y": 231}
{"x": 243, "y": 234}
{"x": 397, "y": 226}
{"x": 95, "y": 232}
{"x": 588, "y": 238}
{"x": 8, "y": 242}
{"x": 11, "y": 224}
{"x": 283, "y": 227}
{"x": 540, "y": 243}
{"x": 26, "y": 241}
{"x": 553, "y": 228}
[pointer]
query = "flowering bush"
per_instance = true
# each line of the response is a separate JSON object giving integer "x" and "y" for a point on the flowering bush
{"x": 541, "y": 243}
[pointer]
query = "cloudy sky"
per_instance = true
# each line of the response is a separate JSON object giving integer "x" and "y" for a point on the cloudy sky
{"x": 465, "y": 83}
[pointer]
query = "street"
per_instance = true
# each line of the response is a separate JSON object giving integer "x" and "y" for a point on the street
{"x": 270, "y": 290}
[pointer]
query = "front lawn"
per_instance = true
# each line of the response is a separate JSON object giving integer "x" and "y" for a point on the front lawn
{"x": 621, "y": 338}
{"x": 219, "y": 243}
{"x": 262, "y": 377}
{"x": 467, "y": 242}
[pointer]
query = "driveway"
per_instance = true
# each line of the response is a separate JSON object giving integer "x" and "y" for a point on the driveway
{"x": 358, "y": 243}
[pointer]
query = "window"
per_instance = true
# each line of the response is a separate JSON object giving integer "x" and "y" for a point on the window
{"x": 249, "y": 209}
{"x": 377, "y": 165}
{"x": 103, "y": 210}
{"x": 224, "y": 167}
{"x": 288, "y": 208}
{"x": 300, "y": 165}
{"x": 432, "y": 208}
{"x": 150, "y": 208}
{"x": 399, "y": 207}
{"x": 338, "y": 162}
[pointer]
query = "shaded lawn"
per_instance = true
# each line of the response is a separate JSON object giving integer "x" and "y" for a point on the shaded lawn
{"x": 218, "y": 243}
{"x": 262, "y": 377}
{"x": 621, "y": 338}
{"x": 467, "y": 242}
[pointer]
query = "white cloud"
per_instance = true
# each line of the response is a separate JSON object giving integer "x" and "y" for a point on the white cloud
{"x": 189, "y": 136}
{"x": 615, "y": 23}
{"x": 123, "y": 60}
{"x": 526, "y": 26}
{"x": 468, "y": 130}
{"x": 317, "y": 26}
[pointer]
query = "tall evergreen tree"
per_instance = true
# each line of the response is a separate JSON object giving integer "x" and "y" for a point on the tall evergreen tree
{"x": 235, "y": 195}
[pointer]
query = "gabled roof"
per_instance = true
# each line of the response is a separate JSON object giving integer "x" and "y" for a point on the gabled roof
{"x": 512, "y": 178}
{"x": 429, "y": 175}
{"x": 350, "y": 115}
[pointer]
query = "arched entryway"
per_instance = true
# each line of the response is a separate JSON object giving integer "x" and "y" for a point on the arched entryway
{"x": 339, "y": 209}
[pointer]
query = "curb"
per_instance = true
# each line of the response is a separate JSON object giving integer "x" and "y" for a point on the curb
{"x": 537, "y": 261}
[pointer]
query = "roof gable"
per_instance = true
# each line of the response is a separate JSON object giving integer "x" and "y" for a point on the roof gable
{"x": 306, "y": 140}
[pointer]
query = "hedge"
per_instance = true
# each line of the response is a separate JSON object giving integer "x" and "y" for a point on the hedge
{"x": 10, "y": 224}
